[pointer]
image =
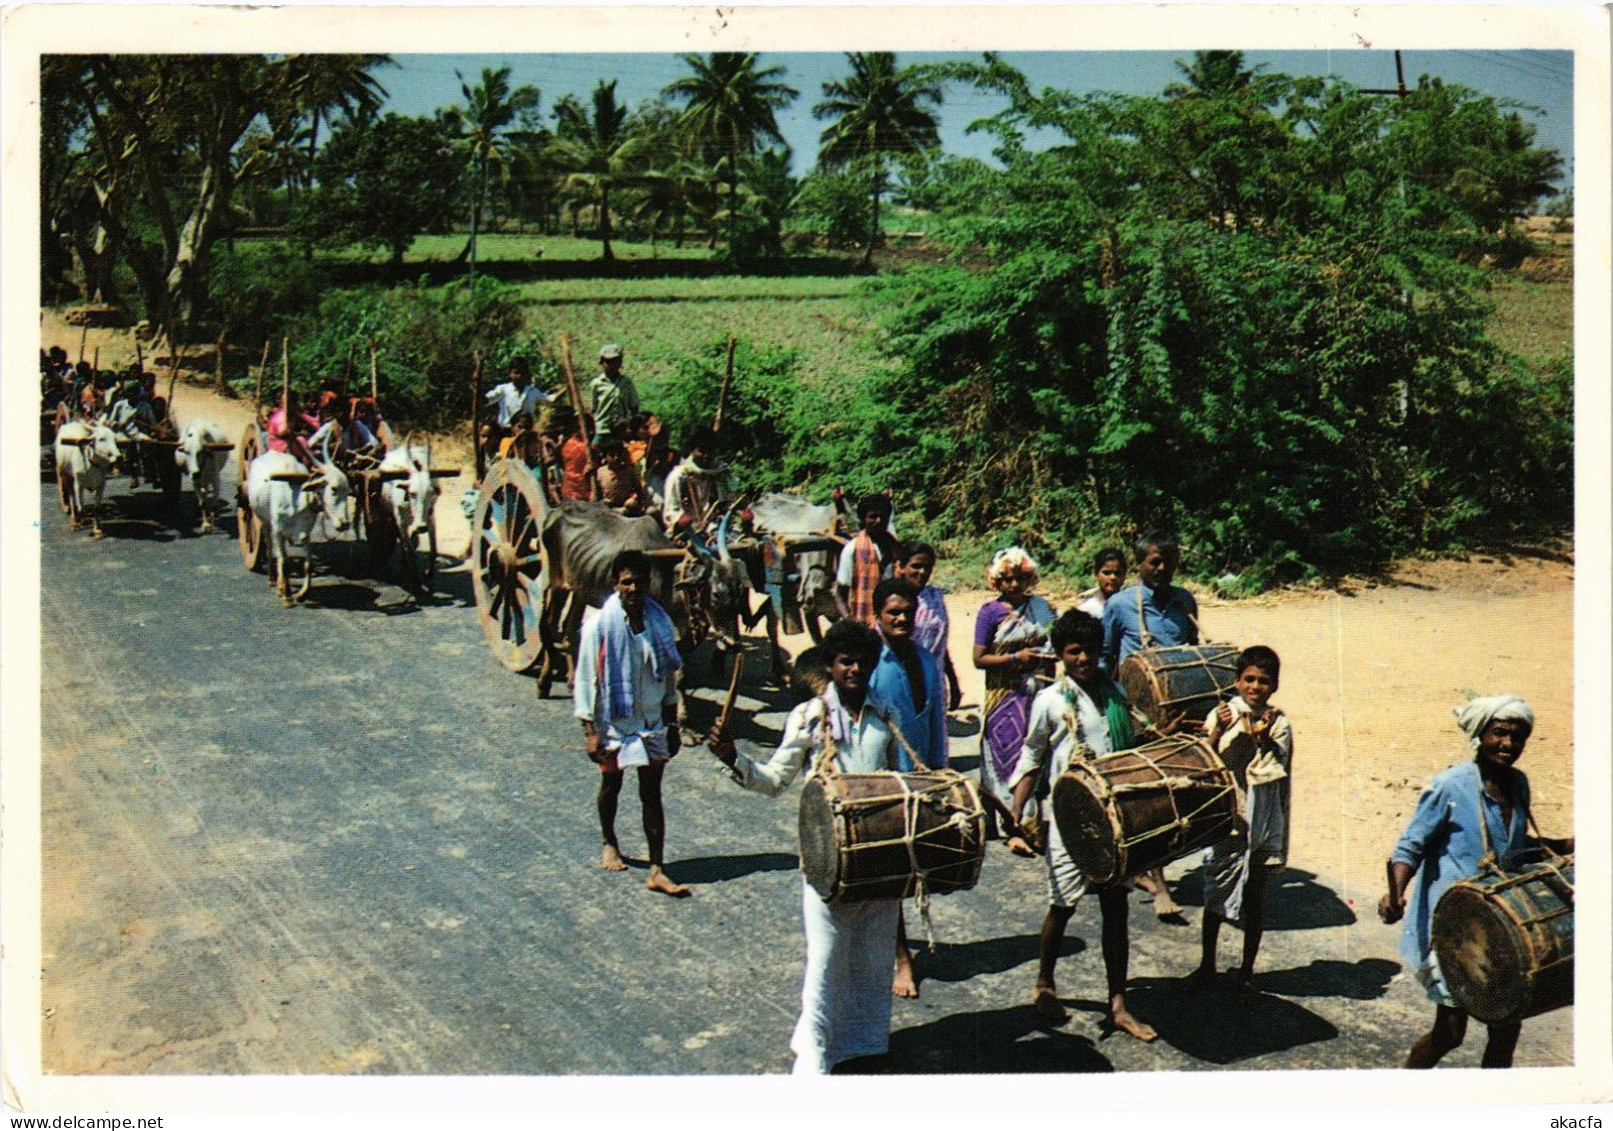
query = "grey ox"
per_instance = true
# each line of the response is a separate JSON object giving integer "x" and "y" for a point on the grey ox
{"x": 202, "y": 453}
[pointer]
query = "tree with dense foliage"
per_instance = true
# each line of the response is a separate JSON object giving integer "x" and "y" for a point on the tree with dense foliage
{"x": 161, "y": 147}
{"x": 1265, "y": 335}
{"x": 598, "y": 150}
{"x": 490, "y": 114}
{"x": 876, "y": 112}
{"x": 730, "y": 104}
{"x": 384, "y": 181}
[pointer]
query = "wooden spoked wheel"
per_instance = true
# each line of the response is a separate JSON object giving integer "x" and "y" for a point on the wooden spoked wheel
{"x": 507, "y": 572}
{"x": 246, "y": 523}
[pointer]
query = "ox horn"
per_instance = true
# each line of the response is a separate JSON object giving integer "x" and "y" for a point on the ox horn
{"x": 722, "y": 535}
{"x": 325, "y": 448}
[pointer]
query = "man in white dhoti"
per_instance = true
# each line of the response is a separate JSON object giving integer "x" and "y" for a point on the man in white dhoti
{"x": 845, "y": 997}
{"x": 627, "y": 699}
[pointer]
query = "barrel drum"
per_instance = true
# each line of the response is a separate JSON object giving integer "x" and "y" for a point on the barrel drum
{"x": 889, "y": 835}
{"x": 1505, "y": 941}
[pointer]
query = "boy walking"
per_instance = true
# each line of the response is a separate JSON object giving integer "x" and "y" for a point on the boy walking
{"x": 1082, "y": 715}
{"x": 1256, "y": 742}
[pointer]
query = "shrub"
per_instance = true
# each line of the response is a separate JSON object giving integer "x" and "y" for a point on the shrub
{"x": 424, "y": 336}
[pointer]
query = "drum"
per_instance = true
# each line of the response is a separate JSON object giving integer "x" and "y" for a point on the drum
{"x": 1506, "y": 941}
{"x": 1124, "y": 813}
{"x": 1185, "y": 680}
{"x": 889, "y": 835}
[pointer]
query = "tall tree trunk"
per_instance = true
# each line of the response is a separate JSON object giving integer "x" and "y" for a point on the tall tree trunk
{"x": 196, "y": 240}
{"x": 873, "y": 231}
{"x": 604, "y": 222}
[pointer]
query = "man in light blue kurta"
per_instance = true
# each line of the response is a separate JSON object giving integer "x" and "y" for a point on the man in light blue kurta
{"x": 1469, "y": 814}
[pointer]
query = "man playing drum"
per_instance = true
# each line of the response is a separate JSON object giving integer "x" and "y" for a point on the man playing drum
{"x": 627, "y": 700}
{"x": 1152, "y": 613}
{"x": 1081, "y": 715}
{"x": 845, "y": 996}
{"x": 1469, "y": 814}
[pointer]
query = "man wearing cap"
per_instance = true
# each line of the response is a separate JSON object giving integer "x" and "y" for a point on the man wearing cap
{"x": 612, "y": 397}
{"x": 517, "y": 399}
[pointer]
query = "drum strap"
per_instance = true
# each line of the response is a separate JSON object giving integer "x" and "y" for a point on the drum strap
{"x": 1489, "y": 861}
{"x": 1142, "y": 619}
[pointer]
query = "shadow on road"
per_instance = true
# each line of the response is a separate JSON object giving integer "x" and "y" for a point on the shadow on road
{"x": 1295, "y": 901}
{"x": 341, "y": 595}
{"x": 1213, "y": 1026}
{"x": 994, "y": 1041}
{"x": 1328, "y": 977}
{"x": 719, "y": 869}
{"x": 964, "y": 724}
{"x": 958, "y": 962}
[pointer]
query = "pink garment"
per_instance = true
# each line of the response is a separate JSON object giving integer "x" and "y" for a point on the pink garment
{"x": 277, "y": 428}
{"x": 930, "y": 623}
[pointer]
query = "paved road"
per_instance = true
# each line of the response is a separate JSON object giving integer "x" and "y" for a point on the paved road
{"x": 341, "y": 839}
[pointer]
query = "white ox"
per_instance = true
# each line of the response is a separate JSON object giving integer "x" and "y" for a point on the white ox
{"x": 85, "y": 454}
{"x": 409, "y": 494}
{"x": 202, "y": 453}
{"x": 287, "y": 500}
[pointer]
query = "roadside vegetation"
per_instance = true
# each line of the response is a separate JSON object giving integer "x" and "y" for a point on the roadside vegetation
{"x": 1287, "y": 318}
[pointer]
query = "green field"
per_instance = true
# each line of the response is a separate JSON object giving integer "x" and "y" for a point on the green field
{"x": 833, "y": 336}
{"x": 509, "y": 247}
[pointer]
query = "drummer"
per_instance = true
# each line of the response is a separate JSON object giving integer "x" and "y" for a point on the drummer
{"x": 845, "y": 998}
{"x": 1468, "y": 812}
{"x": 1151, "y": 613}
{"x": 1082, "y": 714}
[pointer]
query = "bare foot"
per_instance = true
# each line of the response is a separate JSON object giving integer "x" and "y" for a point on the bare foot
{"x": 612, "y": 859}
{"x": 1198, "y": 979}
{"x": 661, "y": 882}
{"x": 1018, "y": 847}
{"x": 904, "y": 984}
{"x": 1123, "y": 1020}
{"x": 1047, "y": 1006}
{"x": 1164, "y": 905}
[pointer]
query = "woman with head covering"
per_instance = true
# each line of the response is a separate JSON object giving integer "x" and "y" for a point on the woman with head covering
{"x": 1011, "y": 649}
{"x": 1470, "y": 813}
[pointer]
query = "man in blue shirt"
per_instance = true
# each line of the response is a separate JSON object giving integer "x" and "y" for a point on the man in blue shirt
{"x": 1152, "y": 613}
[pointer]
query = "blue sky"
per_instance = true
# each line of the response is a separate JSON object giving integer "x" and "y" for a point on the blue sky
{"x": 1543, "y": 79}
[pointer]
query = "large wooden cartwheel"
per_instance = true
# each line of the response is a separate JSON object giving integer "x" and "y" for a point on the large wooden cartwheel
{"x": 507, "y": 571}
{"x": 246, "y": 522}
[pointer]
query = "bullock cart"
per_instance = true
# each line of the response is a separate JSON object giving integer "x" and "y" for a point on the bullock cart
{"x": 394, "y": 500}
{"x": 535, "y": 567}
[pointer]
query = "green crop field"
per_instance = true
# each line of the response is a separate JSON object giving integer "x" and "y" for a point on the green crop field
{"x": 510, "y": 247}
{"x": 834, "y": 337}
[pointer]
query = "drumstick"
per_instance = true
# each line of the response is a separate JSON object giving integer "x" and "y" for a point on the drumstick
{"x": 733, "y": 692}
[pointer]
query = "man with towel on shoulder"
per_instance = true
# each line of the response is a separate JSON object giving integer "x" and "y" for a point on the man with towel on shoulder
{"x": 627, "y": 700}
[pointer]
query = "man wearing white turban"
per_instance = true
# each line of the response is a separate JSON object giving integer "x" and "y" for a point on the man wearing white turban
{"x": 1470, "y": 812}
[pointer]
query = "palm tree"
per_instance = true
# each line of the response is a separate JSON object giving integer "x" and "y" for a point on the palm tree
{"x": 490, "y": 110}
{"x": 599, "y": 150}
{"x": 729, "y": 104}
{"x": 877, "y": 111}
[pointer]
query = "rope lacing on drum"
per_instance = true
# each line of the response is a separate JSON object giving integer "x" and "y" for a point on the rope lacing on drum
{"x": 910, "y": 800}
{"x": 1182, "y": 821}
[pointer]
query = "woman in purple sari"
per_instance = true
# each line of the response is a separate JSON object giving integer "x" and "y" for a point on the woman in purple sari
{"x": 1011, "y": 648}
